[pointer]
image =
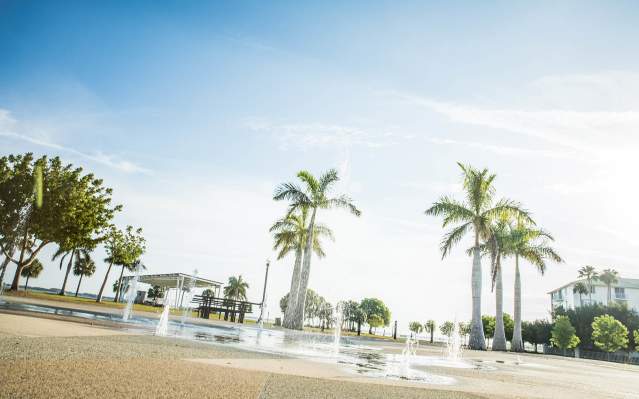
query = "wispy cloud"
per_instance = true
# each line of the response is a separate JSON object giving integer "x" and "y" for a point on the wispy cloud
{"x": 587, "y": 131}
{"x": 9, "y": 128}
{"x": 313, "y": 135}
{"x": 504, "y": 150}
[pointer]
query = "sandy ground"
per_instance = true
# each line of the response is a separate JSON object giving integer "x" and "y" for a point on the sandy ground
{"x": 53, "y": 358}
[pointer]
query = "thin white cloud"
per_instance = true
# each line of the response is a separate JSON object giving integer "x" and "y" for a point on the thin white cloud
{"x": 583, "y": 131}
{"x": 313, "y": 135}
{"x": 504, "y": 150}
{"x": 9, "y": 128}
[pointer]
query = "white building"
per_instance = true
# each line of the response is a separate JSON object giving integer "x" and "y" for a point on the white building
{"x": 625, "y": 291}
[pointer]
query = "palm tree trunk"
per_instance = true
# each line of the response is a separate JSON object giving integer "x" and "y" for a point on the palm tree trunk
{"x": 518, "y": 342}
{"x": 106, "y": 276}
{"x": 117, "y": 294}
{"x": 499, "y": 340}
{"x": 294, "y": 291}
{"x": 477, "y": 339}
{"x": 297, "y": 321}
{"x": 66, "y": 275}
{"x": 26, "y": 283}
{"x": 78, "y": 288}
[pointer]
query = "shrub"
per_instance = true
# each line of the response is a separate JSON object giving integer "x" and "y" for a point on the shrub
{"x": 563, "y": 334}
{"x": 609, "y": 334}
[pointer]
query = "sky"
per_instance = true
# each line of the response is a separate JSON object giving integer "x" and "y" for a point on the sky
{"x": 194, "y": 112}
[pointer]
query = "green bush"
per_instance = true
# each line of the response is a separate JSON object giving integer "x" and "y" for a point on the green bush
{"x": 563, "y": 334}
{"x": 609, "y": 334}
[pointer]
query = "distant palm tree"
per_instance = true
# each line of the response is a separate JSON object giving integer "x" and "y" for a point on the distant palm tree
{"x": 609, "y": 277}
{"x": 33, "y": 270}
{"x": 236, "y": 289}
{"x": 74, "y": 255}
{"x": 290, "y": 235}
{"x": 531, "y": 244}
{"x": 84, "y": 267}
{"x": 314, "y": 195}
{"x": 475, "y": 214}
{"x": 580, "y": 288}
{"x": 591, "y": 275}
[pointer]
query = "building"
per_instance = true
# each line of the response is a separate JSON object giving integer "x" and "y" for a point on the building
{"x": 625, "y": 291}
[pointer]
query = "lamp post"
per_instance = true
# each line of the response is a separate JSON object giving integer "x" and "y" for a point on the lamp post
{"x": 268, "y": 263}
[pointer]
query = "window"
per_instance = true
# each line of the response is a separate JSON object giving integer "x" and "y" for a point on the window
{"x": 620, "y": 293}
{"x": 592, "y": 289}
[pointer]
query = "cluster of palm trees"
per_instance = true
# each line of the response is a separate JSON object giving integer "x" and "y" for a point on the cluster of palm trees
{"x": 590, "y": 276}
{"x": 300, "y": 233}
{"x": 501, "y": 229}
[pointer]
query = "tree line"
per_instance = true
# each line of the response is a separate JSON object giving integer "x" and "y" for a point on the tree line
{"x": 44, "y": 202}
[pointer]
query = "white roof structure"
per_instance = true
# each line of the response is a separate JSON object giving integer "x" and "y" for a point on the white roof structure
{"x": 176, "y": 280}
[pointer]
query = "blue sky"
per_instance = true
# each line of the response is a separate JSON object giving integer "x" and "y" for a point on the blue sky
{"x": 194, "y": 112}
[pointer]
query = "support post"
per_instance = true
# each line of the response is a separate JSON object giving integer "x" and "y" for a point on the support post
{"x": 268, "y": 263}
{"x": 395, "y": 330}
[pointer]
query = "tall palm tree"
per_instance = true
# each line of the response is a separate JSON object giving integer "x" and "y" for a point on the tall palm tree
{"x": 591, "y": 275}
{"x": 33, "y": 270}
{"x": 580, "y": 288}
{"x": 236, "y": 288}
{"x": 475, "y": 214}
{"x": 84, "y": 267}
{"x": 531, "y": 244}
{"x": 314, "y": 195}
{"x": 609, "y": 277}
{"x": 290, "y": 235}
{"x": 74, "y": 255}
{"x": 498, "y": 246}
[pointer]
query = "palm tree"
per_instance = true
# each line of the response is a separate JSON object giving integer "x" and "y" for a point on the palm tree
{"x": 591, "y": 275}
{"x": 314, "y": 195}
{"x": 430, "y": 326}
{"x": 609, "y": 277}
{"x": 530, "y": 244}
{"x": 156, "y": 292}
{"x": 290, "y": 235}
{"x": 73, "y": 254}
{"x": 475, "y": 214}
{"x": 580, "y": 288}
{"x": 497, "y": 246}
{"x": 236, "y": 289}
{"x": 33, "y": 270}
{"x": 84, "y": 267}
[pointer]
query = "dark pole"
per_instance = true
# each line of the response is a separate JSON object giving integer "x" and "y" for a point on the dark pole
{"x": 268, "y": 263}
{"x": 395, "y": 331}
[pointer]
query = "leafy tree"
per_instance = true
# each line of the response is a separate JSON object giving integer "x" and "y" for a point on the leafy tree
{"x": 609, "y": 277}
{"x": 33, "y": 270}
{"x": 314, "y": 195}
{"x": 208, "y": 292}
{"x": 464, "y": 329}
{"x": 609, "y": 334}
{"x": 124, "y": 249}
{"x": 475, "y": 214}
{"x": 236, "y": 288}
{"x": 351, "y": 312}
{"x": 415, "y": 327}
{"x": 563, "y": 334}
{"x": 582, "y": 289}
{"x": 284, "y": 302}
{"x": 289, "y": 234}
{"x": 43, "y": 201}
{"x": 583, "y": 316}
{"x": 156, "y": 292}
{"x": 325, "y": 314}
{"x": 430, "y": 326}
{"x": 83, "y": 267}
{"x": 375, "y": 307}
{"x": 447, "y": 328}
{"x": 591, "y": 275}
{"x": 509, "y": 326}
{"x": 537, "y": 332}
{"x": 374, "y": 321}
{"x": 636, "y": 336}
{"x": 488, "y": 323}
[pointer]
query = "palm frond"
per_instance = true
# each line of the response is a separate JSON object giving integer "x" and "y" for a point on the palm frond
{"x": 453, "y": 237}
